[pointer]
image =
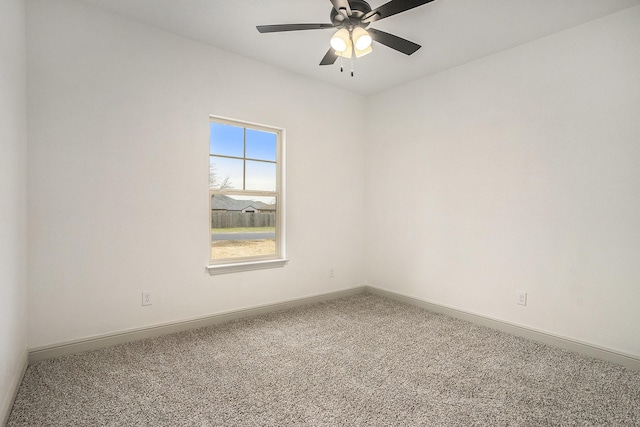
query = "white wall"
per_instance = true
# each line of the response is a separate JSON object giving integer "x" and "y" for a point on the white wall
{"x": 13, "y": 172}
{"x": 118, "y": 170}
{"x": 520, "y": 171}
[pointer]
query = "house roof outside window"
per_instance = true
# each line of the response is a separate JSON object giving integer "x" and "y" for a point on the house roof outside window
{"x": 220, "y": 202}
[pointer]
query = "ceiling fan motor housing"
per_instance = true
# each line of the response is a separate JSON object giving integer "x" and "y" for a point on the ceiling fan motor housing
{"x": 359, "y": 8}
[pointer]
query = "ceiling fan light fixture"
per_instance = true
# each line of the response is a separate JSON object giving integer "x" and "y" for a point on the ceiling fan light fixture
{"x": 347, "y": 53}
{"x": 341, "y": 41}
{"x": 361, "y": 39}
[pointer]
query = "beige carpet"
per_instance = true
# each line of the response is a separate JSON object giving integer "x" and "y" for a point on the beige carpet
{"x": 361, "y": 360}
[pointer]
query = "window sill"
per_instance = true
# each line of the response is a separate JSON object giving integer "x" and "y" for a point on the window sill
{"x": 246, "y": 266}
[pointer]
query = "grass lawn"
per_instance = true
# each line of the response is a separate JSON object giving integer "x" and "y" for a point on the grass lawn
{"x": 242, "y": 248}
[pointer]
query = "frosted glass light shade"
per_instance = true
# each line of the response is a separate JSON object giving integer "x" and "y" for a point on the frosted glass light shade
{"x": 347, "y": 52}
{"x": 340, "y": 40}
{"x": 363, "y": 52}
{"x": 361, "y": 39}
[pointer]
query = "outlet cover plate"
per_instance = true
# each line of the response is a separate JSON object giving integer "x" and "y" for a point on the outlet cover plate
{"x": 146, "y": 298}
{"x": 521, "y": 298}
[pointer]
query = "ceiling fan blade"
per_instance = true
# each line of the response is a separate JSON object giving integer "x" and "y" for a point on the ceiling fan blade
{"x": 291, "y": 27}
{"x": 391, "y": 8}
{"x": 340, "y": 5}
{"x": 329, "y": 58}
{"x": 394, "y": 42}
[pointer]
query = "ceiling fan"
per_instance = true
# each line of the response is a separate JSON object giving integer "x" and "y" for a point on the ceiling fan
{"x": 351, "y": 18}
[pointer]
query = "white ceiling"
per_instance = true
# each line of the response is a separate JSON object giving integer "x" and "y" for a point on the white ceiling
{"x": 451, "y": 32}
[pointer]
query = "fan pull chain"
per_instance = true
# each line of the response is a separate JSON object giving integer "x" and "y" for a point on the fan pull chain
{"x": 352, "y": 47}
{"x": 341, "y": 67}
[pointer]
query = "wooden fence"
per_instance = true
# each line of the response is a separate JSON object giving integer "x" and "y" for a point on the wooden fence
{"x": 221, "y": 219}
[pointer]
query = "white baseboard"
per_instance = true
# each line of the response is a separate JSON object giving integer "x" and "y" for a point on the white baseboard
{"x": 101, "y": 341}
{"x": 7, "y": 403}
{"x": 565, "y": 343}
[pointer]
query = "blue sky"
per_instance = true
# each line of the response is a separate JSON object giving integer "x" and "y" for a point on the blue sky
{"x": 228, "y": 140}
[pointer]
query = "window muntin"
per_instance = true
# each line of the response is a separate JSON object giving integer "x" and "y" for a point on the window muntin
{"x": 245, "y": 192}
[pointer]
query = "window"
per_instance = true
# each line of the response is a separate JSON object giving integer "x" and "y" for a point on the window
{"x": 245, "y": 196}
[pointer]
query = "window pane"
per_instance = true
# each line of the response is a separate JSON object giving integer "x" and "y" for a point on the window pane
{"x": 225, "y": 173}
{"x": 242, "y": 226}
{"x": 226, "y": 140}
{"x": 261, "y": 145}
{"x": 261, "y": 176}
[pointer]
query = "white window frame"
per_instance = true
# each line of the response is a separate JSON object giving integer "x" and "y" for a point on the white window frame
{"x": 231, "y": 265}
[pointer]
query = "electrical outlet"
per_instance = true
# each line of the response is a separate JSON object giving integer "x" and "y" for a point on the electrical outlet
{"x": 330, "y": 272}
{"x": 521, "y": 298}
{"x": 146, "y": 298}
